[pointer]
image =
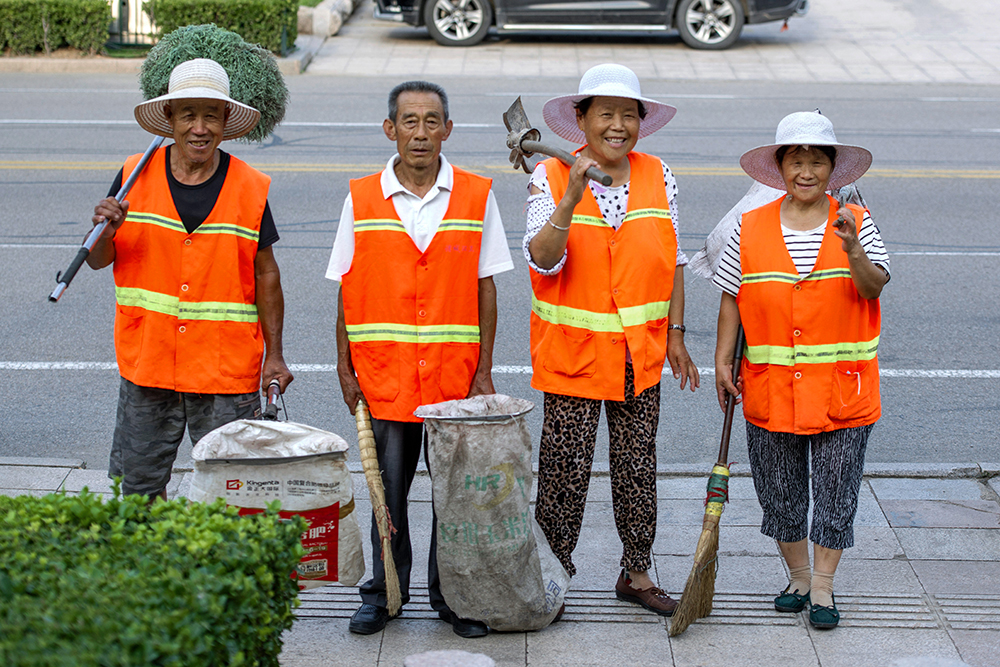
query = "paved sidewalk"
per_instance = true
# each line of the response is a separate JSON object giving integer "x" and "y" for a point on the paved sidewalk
{"x": 923, "y": 580}
{"x": 841, "y": 41}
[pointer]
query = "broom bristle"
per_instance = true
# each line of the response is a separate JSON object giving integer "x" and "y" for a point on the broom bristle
{"x": 696, "y": 601}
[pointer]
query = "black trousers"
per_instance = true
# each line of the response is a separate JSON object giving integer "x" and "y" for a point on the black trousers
{"x": 399, "y": 445}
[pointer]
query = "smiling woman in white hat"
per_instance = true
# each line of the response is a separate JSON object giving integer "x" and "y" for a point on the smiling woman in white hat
{"x": 803, "y": 275}
{"x": 607, "y": 312}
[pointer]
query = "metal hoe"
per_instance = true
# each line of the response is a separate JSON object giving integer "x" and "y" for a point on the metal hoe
{"x": 524, "y": 141}
{"x": 65, "y": 277}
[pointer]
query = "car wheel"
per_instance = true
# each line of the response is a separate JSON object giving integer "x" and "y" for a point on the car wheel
{"x": 458, "y": 22}
{"x": 710, "y": 24}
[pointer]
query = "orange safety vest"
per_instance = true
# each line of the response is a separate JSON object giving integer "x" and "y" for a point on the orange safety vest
{"x": 810, "y": 363}
{"x": 186, "y": 317}
{"x": 412, "y": 318}
{"x": 614, "y": 289}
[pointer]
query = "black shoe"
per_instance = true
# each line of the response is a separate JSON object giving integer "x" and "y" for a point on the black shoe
{"x": 464, "y": 627}
{"x": 369, "y": 619}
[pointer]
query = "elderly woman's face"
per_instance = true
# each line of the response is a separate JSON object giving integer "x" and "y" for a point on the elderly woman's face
{"x": 806, "y": 172}
{"x": 611, "y": 126}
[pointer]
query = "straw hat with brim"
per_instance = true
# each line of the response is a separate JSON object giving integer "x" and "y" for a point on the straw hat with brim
{"x": 606, "y": 81}
{"x": 806, "y": 128}
{"x": 200, "y": 78}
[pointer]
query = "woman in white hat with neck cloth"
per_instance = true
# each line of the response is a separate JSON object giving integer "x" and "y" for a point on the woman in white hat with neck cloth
{"x": 803, "y": 275}
{"x": 607, "y": 311}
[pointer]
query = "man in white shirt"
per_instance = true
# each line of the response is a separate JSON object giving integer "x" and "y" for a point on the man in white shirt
{"x": 416, "y": 250}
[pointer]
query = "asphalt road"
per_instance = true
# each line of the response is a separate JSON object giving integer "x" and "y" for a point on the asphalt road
{"x": 933, "y": 190}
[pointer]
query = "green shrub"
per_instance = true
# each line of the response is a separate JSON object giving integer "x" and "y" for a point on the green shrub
{"x": 257, "y": 21}
{"x": 27, "y": 26}
{"x": 88, "y": 582}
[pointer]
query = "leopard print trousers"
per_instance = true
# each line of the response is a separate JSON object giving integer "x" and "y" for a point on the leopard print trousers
{"x": 565, "y": 459}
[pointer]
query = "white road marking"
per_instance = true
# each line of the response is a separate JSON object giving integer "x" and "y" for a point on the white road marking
{"x": 961, "y": 374}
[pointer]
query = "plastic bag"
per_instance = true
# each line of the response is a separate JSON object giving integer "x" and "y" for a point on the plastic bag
{"x": 253, "y": 463}
{"x": 494, "y": 561}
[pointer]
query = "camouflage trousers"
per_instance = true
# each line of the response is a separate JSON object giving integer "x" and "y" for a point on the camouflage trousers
{"x": 150, "y": 426}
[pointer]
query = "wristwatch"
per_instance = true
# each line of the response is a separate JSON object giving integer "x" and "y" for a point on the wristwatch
{"x": 679, "y": 327}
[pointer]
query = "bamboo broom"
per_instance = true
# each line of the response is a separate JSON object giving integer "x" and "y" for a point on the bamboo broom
{"x": 696, "y": 601}
{"x": 369, "y": 461}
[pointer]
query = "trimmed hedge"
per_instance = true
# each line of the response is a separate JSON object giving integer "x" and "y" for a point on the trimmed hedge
{"x": 123, "y": 582}
{"x": 257, "y": 21}
{"x": 27, "y": 26}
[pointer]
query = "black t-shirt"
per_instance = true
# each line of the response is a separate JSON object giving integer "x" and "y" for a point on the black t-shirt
{"x": 194, "y": 203}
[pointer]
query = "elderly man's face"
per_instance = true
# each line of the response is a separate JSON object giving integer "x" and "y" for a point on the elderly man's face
{"x": 198, "y": 127}
{"x": 419, "y": 129}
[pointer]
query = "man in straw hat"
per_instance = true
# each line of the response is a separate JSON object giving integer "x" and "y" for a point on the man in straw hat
{"x": 198, "y": 290}
{"x": 416, "y": 251}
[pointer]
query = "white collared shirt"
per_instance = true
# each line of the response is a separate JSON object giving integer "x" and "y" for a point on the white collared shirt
{"x": 420, "y": 217}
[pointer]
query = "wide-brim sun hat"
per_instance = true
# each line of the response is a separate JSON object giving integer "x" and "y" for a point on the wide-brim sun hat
{"x": 606, "y": 80}
{"x": 806, "y": 128}
{"x": 200, "y": 78}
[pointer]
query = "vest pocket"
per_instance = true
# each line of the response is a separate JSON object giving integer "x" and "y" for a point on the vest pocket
{"x": 851, "y": 391}
{"x": 458, "y": 366}
{"x": 241, "y": 349}
{"x": 756, "y": 402}
{"x": 656, "y": 344}
{"x": 128, "y": 338}
{"x": 573, "y": 354}
{"x": 377, "y": 365}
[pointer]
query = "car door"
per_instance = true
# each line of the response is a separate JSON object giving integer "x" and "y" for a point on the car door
{"x": 592, "y": 13}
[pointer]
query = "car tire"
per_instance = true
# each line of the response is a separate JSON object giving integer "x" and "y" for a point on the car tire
{"x": 710, "y": 24}
{"x": 458, "y": 22}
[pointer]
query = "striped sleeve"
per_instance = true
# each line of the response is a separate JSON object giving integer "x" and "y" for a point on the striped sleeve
{"x": 729, "y": 274}
{"x": 871, "y": 241}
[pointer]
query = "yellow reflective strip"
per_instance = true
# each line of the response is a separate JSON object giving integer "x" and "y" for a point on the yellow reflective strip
{"x": 461, "y": 225}
{"x": 575, "y": 317}
{"x": 379, "y": 225}
{"x": 661, "y": 213}
{"x": 590, "y": 221}
{"x": 826, "y": 274}
{"x": 409, "y": 333}
{"x": 224, "y": 228}
{"x": 771, "y": 276}
{"x": 147, "y": 300}
{"x": 778, "y": 355}
{"x": 157, "y": 220}
{"x": 633, "y": 316}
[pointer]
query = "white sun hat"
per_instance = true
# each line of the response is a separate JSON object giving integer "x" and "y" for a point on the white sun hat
{"x": 200, "y": 78}
{"x": 806, "y": 128}
{"x": 608, "y": 81}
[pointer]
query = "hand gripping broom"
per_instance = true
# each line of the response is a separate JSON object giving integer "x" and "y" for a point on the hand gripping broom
{"x": 369, "y": 461}
{"x": 696, "y": 601}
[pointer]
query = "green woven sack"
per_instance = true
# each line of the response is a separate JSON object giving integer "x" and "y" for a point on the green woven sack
{"x": 254, "y": 77}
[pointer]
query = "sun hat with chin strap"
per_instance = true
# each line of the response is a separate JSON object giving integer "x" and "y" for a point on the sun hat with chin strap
{"x": 606, "y": 80}
{"x": 806, "y": 128}
{"x": 200, "y": 78}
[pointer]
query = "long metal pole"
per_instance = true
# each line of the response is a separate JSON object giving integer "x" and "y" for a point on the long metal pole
{"x": 64, "y": 278}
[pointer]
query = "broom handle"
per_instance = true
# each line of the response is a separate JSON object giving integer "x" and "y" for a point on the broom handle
{"x": 727, "y": 426}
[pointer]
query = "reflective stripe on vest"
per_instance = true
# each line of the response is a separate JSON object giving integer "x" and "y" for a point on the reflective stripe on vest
{"x": 777, "y": 355}
{"x": 139, "y": 217}
{"x": 409, "y": 333}
{"x": 217, "y": 311}
{"x": 612, "y": 294}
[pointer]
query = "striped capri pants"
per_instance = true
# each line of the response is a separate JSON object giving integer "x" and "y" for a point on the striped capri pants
{"x": 780, "y": 465}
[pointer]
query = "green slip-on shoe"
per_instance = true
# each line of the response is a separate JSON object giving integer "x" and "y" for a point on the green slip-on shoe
{"x": 824, "y": 617}
{"x": 790, "y": 603}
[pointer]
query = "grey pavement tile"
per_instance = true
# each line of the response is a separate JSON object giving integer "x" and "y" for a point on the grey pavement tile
{"x": 879, "y": 543}
{"x": 733, "y": 541}
{"x": 405, "y": 637}
{"x": 179, "y": 485}
{"x": 978, "y": 648}
{"x": 704, "y": 645}
{"x": 735, "y": 574}
{"x": 693, "y": 488}
{"x": 926, "y": 489}
{"x": 322, "y": 642}
{"x": 96, "y": 481}
{"x": 32, "y": 461}
{"x": 958, "y": 577}
{"x": 14, "y": 493}
{"x": 942, "y": 513}
{"x": 599, "y": 645}
{"x": 994, "y": 484}
{"x": 859, "y": 576}
{"x": 32, "y": 478}
{"x": 949, "y": 543}
{"x": 878, "y": 647}
{"x": 691, "y": 512}
{"x": 869, "y": 512}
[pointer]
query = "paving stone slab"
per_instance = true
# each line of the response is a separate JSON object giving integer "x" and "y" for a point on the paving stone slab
{"x": 994, "y": 484}
{"x": 861, "y": 575}
{"x": 323, "y": 642}
{"x": 973, "y": 544}
{"x": 735, "y": 574}
{"x": 403, "y": 637}
{"x": 878, "y": 647}
{"x": 96, "y": 481}
{"x": 869, "y": 511}
{"x": 694, "y": 488}
{"x": 36, "y": 478}
{"x": 585, "y": 644}
{"x": 942, "y": 513}
{"x": 733, "y": 541}
{"x": 48, "y": 463}
{"x": 691, "y": 512}
{"x": 959, "y": 576}
{"x": 875, "y": 543}
{"x": 978, "y": 648}
{"x": 922, "y": 470}
{"x": 704, "y": 644}
{"x": 926, "y": 489}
